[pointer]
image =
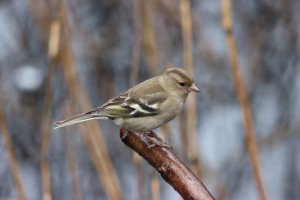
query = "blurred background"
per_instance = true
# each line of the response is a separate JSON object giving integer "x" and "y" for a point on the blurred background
{"x": 60, "y": 58}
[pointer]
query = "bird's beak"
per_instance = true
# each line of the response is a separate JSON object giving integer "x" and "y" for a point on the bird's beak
{"x": 194, "y": 88}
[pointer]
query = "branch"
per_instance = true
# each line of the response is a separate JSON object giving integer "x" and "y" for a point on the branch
{"x": 161, "y": 157}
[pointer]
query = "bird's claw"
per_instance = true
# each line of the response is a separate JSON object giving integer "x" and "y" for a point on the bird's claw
{"x": 152, "y": 140}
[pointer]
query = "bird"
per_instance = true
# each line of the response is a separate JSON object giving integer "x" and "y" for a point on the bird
{"x": 146, "y": 106}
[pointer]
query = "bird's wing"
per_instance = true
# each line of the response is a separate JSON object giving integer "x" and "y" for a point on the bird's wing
{"x": 125, "y": 105}
{"x": 142, "y": 100}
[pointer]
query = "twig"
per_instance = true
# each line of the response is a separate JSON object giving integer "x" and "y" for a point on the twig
{"x": 150, "y": 147}
{"x": 242, "y": 95}
{"x": 14, "y": 166}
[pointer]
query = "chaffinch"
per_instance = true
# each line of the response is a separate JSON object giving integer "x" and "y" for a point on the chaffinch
{"x": 145, "y": 106}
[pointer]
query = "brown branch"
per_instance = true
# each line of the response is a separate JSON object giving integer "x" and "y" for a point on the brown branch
{"x": 161, "y": 157}
{"x": 242, "y": 96}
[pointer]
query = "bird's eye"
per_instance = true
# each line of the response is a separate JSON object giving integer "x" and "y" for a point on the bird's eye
{"x": 182, "y": 84}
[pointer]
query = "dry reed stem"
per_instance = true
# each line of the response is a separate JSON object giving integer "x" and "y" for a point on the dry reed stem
{"x": 53, "y": 46}
{"x": 97, "y": 149}
{"x": 48, "y": 27}
{"x": 14, "y": 165}
{"x": 165, "y": 130}
{"x": 73, "y": 167}
{"x": 181, "y": 120}
{"x": 186, "y": 24}
{"x": 151, "y": 54}
{"x": 92, "y": 136}
{"x": 161, "y": 157}
{"x": 91, "y": 133}
{"x": 149, "y": 41}
{"x": 242, "y": 96}
{"x": 151, "y": 51}
{"x": 54, "y": 39}
{"x": 46, "y": 180}
{"x": 155, "y": 190}
{"x": 72, "y": 158}
{"x": 40, "y": 13}
{"x": 150, "y": 47}
{"x": 168, "y": 8}
{"x": 134, "y": 78}
{"x": 138, "y": 163}
{"x": 137, "y": 40}
{"x": 191, "y": 114}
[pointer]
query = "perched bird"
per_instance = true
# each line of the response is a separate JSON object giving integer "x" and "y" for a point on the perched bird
{"x": 146, "y": 106}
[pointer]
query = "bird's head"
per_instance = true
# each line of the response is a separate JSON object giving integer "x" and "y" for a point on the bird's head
{"x": 179, "y": 81}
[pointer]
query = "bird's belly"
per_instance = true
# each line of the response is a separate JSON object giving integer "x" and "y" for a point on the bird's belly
{"x": 144, "y": 124}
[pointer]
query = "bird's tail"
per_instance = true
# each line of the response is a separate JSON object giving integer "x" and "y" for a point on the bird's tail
{"x": 78, "y": 118}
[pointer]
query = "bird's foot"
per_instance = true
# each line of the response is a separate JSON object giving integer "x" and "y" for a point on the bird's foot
{"x": 152, "y": 140}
